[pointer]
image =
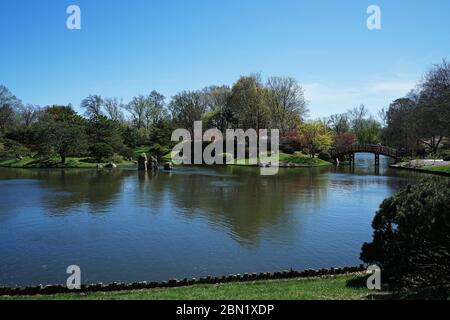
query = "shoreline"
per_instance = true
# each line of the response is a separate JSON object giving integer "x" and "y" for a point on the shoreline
{"x": 176, "y": 283}
{"x": 420, "y": 170}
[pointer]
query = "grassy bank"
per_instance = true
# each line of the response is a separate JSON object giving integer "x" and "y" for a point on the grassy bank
{"x": 338, "y": 287}
{"x": 71, "y": 162}
{"x": 296, "y": 159}
{"x": 437, "y": 169}
{"x": 425, "y": 165}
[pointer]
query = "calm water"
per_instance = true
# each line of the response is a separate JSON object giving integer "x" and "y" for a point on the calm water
{"x": 193, "y": 222}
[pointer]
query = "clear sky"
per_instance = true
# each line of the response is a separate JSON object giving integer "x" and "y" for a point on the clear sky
{"x": 131, "y": 47}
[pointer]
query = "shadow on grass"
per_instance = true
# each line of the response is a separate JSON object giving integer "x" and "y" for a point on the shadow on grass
{"x": 391, "y": 293}
{"x": 90, "y": 160}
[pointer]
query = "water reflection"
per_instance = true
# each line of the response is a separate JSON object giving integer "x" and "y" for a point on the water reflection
{"x": 127, "y": 225}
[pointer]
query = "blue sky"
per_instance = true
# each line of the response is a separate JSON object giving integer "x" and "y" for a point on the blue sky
{"x": 126, "y": 48}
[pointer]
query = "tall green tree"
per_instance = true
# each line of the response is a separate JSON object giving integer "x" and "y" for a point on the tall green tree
{"x": 401, "y": 125}
{"x": 100, "y": 129}
{"x": 433, "y": 113}
{"x": 286, "y": 103}
{"x": 61, "y": 131}
{"x": 186, "y": 108}
{"x": 249, "y": 101}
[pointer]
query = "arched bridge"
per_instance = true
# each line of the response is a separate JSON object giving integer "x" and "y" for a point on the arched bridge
{"x": 377, "y": 150}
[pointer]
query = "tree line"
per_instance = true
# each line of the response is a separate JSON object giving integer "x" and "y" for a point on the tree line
{"x": 109, "y": 127}
{"x": 421, "y": 120}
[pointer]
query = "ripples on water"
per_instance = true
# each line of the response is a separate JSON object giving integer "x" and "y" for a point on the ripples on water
{"x": 192, "y": 222}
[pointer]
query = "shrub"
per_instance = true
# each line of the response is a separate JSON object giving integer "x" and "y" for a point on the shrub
{"x": 287, "y": 149}
{"x": 10, "y": 149}
{"x": 117, "y": 158}
{"x": 101, "y": 151}
{"x": 411, "y": 240}
{"x": 290, "y": 142}
{"x": 127, "y": 153}
{"x": 325, "y": 156}
{"x": 158, "y": 151}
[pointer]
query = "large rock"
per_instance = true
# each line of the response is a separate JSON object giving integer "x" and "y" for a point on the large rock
{"x": 152, "y": 164}
{"x": 142, "y": 162}
{"x": 168, "y": 166}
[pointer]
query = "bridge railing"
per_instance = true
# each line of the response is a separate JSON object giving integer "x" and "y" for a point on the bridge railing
{"x": 372, "y": 148}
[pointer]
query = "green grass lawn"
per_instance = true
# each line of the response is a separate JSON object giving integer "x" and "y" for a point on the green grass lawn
{"x": 296, "y": 158}
{"x": 340, "y": 287}
{"x": 71, "y": 162}
{"x": 330, "y": 288}
{"x": 445, "y": 168}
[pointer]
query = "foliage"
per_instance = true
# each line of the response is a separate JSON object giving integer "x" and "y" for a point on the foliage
{"x": 187, "y": 107}
{"x": 161, "y": 133}
{"x": 100, "y": 129}
{"x": 339, "y": 123}
{"x": 61, "y": 131}
{"x": 316, "y": 136}
{"x": 101, "y": 151}
{"x": 411, "y": 241}
{"x": 248, "y": 100}
{"x": 286, "y": 103}
{"x": 127, "y": 153}
{"x": 344, "y": 140}
{"x": 291, "y": 142}
{"x": 325, "y": 156}
{"x": 158, "y": 151}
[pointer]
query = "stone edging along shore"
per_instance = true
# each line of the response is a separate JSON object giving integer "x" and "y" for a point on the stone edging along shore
{"x": 115, "y": 286}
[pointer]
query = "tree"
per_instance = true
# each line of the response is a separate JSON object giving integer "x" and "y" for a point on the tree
{"x": 93, "y": 106}
{"x": 29, "y": 114}
{"x": 7, "y": 118}
{"x": 113, "y": 108}
{"x": 290, "y": 142}
{"x": 368, "y": 131}
{"x": 433, "y": 113}
{"x": 186, "y": 108}
{"x": 356, "y": 117}
{"x": 61, "y": 131}
{"x": 9, "y": 104}
{"x": 316, "y": 136}
{"x": 8, "y": 99}
{"x": 156, "y": 110}
{"x": 161, "y": 133}
{"x": 401, "y": 126}
{"x": 218, "y": 114}
{"x": 411, "y": 239}
{"x": 344, "y": 140}
{"x": 287, "y": 105}
{"x": 101, "y": 151}
{"x": 339, "y": 123}
{"x": 103, "y": 130}
{"x": 138, "y": 108}
{"x": 248, "y": 100}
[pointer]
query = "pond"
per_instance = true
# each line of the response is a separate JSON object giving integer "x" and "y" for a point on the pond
{"x": 122, "y": 225}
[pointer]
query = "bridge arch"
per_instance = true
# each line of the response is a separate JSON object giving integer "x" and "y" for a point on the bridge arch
{"x": 377, "y": 150}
